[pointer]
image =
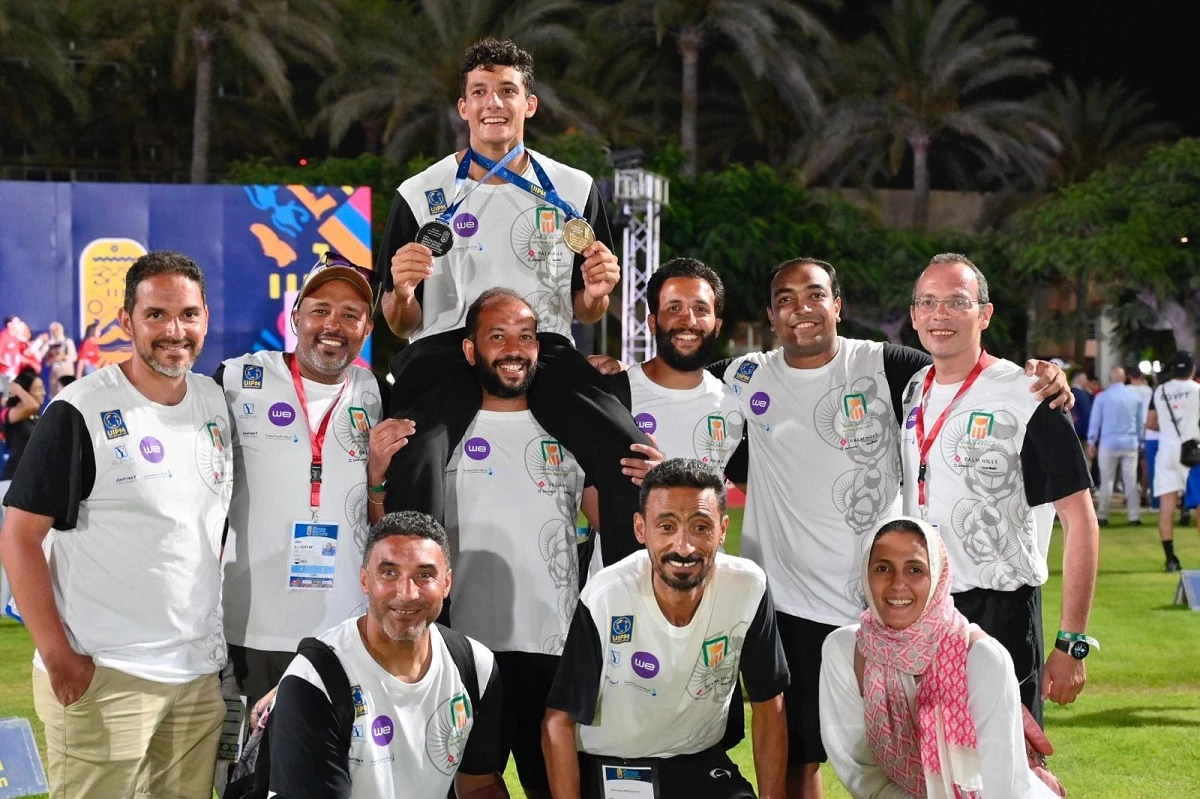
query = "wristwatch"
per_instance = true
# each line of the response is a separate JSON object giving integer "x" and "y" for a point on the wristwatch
{"x": 1077, "y": 645}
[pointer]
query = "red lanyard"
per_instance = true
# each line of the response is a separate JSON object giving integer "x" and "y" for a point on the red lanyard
{"x": 316, "y": 440}
{"x": 925, "y": 444}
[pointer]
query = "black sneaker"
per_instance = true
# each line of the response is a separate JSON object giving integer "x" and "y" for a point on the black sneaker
{"x": 1185, "y": 518}
{"x": 1135, "y": 523}
{"x": 1173, "y": 565}
{"x": 1102, "y": 522}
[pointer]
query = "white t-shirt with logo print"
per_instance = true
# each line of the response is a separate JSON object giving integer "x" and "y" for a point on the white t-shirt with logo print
{"x": 999, "y": 462}
{"x": 639, "y": 686}
{"x": 705, "y": 422}
{"x": 407, "y": 740}
{"x": 273, "y": 452}
{"x": 1184, "y": 398}
{"x": 139, "y": 493}
{"x": 512, "y": 498}
{"x": 824, "y": 471}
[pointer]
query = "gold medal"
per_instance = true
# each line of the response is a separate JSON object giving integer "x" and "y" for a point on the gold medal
{"x": 578, "y": 235}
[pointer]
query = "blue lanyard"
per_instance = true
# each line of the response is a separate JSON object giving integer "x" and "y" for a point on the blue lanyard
{"x": 464, "y": 167}
{"x": 544, "y": 192}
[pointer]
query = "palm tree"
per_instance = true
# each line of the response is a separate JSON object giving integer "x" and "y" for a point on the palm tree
{"x": 1100, "y": 125}
{"x": 935, "y": 77}
{"x": 35, "y": 74}
{"x": 401, "y": 81}
{"x": 764, "y": 36}
{"x": 260, "y": 31}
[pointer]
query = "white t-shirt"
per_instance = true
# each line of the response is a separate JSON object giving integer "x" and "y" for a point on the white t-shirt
{"x": 503, "y": 236}
{"x": 1146, "y": 393}
{"x": 512, "y": 498}
{"x": 995, "y": 708}
{"x": 139, "y": 500}
{"x": 639, "y": 686}
{"x": 704, "y": 422}
{"x": 824, "y": 471}
{"x": 408, "y": 739}
{"x": 272, "y": 451}
{"x": 1184, "y": 396}
{"x": 999, "y": 461}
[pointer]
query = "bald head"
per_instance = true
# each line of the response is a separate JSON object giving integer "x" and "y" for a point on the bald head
{"x": 1116, "y": 375}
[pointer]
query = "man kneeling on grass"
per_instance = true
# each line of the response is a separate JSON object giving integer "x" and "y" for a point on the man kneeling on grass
{"x": 653, "y": 656}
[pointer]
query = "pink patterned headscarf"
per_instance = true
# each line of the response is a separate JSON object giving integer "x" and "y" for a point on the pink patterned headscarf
{"x": 934, "y": 648}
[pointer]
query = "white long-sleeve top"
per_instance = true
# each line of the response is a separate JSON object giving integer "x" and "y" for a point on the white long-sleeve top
{"x": 995, "y": 706}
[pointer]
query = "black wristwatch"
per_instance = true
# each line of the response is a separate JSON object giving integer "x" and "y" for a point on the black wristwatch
{"x": 1077, "y": 645}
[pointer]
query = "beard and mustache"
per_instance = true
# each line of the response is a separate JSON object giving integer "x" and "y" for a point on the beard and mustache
{"x": 680, "y": 361}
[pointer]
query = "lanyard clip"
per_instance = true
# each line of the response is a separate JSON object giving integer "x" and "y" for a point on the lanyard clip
{"x": 314, "y": 473}
{"x": 921, "y": 473}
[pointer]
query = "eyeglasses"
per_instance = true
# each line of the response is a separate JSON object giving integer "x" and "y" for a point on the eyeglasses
{"x": 329, "y": 259}
{"x": 952, "y": 304}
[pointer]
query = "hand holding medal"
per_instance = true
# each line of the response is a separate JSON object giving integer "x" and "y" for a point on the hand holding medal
{"x": 436, "y": 234}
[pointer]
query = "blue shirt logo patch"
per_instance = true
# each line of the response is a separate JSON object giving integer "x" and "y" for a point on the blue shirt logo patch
{"x": 436, "y": 199}
{"x": 252, "y": 376}
{"x": 745, "y": 371}
{"x": 622, "y": 630}
{"x": 114, "y": 424}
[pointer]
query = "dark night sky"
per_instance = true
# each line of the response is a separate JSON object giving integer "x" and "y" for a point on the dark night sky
{"x": 1152, "y": 44}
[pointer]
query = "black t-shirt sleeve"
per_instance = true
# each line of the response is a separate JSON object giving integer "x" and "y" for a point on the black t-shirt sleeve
{"x": 764, "y": 666}
{"x": 597, "y": 217}
{"x": 58, "y": 468}
{"x": 737, "y": 468}
{"x": 618, "y": 386}
{"x": 576, "y": 687}
{"x": 718, "y": 368}
{"x": 899, "y": 366}
{"x": 401, "y": 228}
{"x": 307, "y": 760}
{"x": 219, "y": 376}
{"x": 486, "y": 751}
{"x": 1052, "y": 460}
{"x": 385, "y": 394}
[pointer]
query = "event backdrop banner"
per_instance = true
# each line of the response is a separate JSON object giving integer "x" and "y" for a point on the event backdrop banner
{"x": 65, "y": 249}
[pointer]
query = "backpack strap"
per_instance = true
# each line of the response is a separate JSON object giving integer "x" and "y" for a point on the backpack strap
{"x": 463, "y": 655}
{"x": 337, "y": 684}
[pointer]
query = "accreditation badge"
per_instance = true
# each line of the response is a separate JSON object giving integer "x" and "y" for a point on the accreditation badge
{"x": 312, "y": 556}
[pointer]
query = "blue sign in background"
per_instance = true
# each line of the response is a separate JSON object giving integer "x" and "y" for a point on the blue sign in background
{"x": 21, "y": 772}
{"x": 65, "y": 248}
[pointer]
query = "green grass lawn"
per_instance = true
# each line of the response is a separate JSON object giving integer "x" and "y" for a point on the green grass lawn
{"x": 1132, "y": 733}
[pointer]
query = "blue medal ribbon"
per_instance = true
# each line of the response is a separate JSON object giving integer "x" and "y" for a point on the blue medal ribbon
{"x": 544, "y": 192}
{"x": 464, "y": 166}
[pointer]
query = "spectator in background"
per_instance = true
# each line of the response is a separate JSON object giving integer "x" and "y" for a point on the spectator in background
{"x": 58, "y": 337}
{"x": 14, "y": 339}
{"x": 1143, "y": 385}
{"x": 25, "y": 397}
{"x": 1082, "y": 412}
{"x": 89, "y": 351}
{"x": 1176, "y": 415}
{"x": 1114, "y": 435}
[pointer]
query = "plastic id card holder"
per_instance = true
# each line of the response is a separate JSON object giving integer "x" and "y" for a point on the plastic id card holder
{"x": 628, "y": 779}
{"x": 312, "y": 556}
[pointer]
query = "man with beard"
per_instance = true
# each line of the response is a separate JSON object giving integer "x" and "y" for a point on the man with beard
{"x": 513, "y": 496}
{"x": 425, "y": 700}
{"x": 652, "y": 660}
{"x": 126, "y": 483}
{"x": 823, "y": 425}
{"x": 311, "y": 454}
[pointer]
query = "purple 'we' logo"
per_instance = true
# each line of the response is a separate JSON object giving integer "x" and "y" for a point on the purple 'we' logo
{"x": 759, "y": 403}
{"x": 466, "y": 225}
{"x": 281, "y": 414}
{"x": 646, "y": 423}
{"x": 645, "y": 664}
{"x": 911, "y": 422}
{"x": 152, "y": 449}
{"x": 382, "y": 730}
{"x": 477, "y": 448}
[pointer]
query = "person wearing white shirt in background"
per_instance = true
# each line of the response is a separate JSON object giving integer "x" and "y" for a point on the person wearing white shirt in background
{"x": 1114, "y": 435}
{"x": 1175, "y": 414}
{"x": 917, "y": 702}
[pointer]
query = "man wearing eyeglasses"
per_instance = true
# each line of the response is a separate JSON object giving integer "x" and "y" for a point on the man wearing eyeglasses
{"x": 989, "y": 464}
{"x": 499, "y": 214}
{"x": 312, "y": 447}
{"x": 822, "y": 417}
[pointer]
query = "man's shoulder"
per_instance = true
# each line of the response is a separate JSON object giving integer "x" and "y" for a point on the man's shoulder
{"x": 618, "y": 578}
{"x": 438, "y": 175}
{"x": 558, "y": 170}
{"x": 739, "y": 571}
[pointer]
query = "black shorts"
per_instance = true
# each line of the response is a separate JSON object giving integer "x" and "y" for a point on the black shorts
{"x": 802, "y": 640}
{"x": 526, "y": 678}
{"x": 257, "y": 671}
{"x": 705, "y": 775}
{"x": 1014, "y": 618}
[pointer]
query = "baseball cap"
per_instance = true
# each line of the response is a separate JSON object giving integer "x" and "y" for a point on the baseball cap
{"x": 333, "y": 266}
{"x": 1182, "y": 364}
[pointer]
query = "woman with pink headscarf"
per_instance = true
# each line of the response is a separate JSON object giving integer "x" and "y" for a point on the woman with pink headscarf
{"x": 915, "y": 701}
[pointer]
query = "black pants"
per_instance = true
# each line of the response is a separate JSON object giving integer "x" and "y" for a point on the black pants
{"x": 705, "y": 775}
{"x": 257, "y": 671}
{"x": 1014, "y": 618}
{"x": 437, "y": 389}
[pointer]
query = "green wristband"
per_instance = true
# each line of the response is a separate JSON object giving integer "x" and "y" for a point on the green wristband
{"x": 1072, "y": 637}
{"x": 379, "y": 489}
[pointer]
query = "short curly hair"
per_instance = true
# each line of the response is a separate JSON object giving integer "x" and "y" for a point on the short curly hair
{"x": 489, "y": 53}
